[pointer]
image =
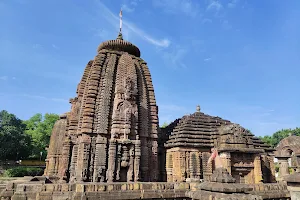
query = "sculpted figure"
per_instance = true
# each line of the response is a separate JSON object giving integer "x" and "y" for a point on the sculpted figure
{"x": 215, "y": 156}
{"x": 101, "y": 173}
{"x": 84, "y": 177}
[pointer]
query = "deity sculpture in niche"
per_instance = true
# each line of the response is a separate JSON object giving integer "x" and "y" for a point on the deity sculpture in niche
{"x": 126, "y": 111}
{"x": 215, "y": 157}
{"x": 101, "y": 174}
{"x": 75, "y": 106}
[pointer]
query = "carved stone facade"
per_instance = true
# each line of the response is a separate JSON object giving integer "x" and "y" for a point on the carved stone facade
{"x": 110, "y": 134}
{"x": 288, "y": 155}
{"x": 188, "y": 147}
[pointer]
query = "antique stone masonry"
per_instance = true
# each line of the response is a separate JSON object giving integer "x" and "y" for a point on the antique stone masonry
{"x": 110, "y": 134}
{"x": 188, "y": 143}
{"x": 288, "y": 155}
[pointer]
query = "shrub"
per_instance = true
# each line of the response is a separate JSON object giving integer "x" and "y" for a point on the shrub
{"x": 23, "y": 171}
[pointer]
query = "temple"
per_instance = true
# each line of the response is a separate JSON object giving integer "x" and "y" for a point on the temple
{"x": 110, "y": 134}
{"x": 188, "y": 143}
{"x": 109, "y": 146}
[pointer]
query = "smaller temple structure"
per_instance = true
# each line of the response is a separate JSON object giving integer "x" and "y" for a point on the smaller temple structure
{"x": 288, "y": 155}
{"x": 188, "y": 147}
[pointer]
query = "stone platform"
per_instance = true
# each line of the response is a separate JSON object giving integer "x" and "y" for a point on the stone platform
{"x": 42, "y": 189}
{"x": 122, "y": 191}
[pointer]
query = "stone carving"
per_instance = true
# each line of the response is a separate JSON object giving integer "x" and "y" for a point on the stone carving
{"x": 288, "y": 155}
{"x": 215, "y": 157}
{"x": 234, "y": 148}
{"x": 111, "y": 134}
{"x": 112, "y": 121}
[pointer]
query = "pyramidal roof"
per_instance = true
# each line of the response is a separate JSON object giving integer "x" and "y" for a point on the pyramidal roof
{"x": 197, "y": 130}
{"x": 200, "y": 130}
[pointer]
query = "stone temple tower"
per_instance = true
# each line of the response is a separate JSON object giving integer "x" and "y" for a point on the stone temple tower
{"x": 110, "y": 134}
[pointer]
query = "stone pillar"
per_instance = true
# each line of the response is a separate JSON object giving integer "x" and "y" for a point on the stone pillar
{"x": 137, "y": 161}
{"x": 272, "y": 168}
{"x": 65, "y": 159}
{"x": 207, "y": 167}
{"x": 144, "y": 159}
{"x": 130, "y": 172}
{"x": 257, "y": 169}
{"x": 169, "y": 166}
{"x": 283, "y": 167}
{"x": 100, "y": 159}
{"x": 82, "y": 169}
{"x": 226, "y": 160}
{"x": 194, "y": 166}
{"x": 110, "y": 176}
{"x": 51, "y": 165}
{"x": 182, "y": 167}
{"x": 46, "y": 169}
{"x": 153, "y": 160}
{"x": 73, "y": 161}
{"x": 188, "y": 171}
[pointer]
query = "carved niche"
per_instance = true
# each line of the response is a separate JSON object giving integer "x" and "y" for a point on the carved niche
{"x": 125, "y": 113}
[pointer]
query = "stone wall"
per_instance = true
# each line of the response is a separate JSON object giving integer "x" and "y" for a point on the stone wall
{"x": 40, "y": 189}
{"x": 122, "y": 191}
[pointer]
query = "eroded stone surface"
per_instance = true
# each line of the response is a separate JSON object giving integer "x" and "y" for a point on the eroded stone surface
{"x": 188, "y": 143}
{"x": 110, "y": 134}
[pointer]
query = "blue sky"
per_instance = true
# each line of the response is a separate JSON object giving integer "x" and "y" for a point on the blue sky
{"x": 238, "y": 59}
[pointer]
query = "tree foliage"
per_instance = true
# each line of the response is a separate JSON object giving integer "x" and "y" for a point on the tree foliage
{"x": 13, "y": 142}
{"x": 165, "y": 124}
{"x": 274, "y": 139}
{"x": 39, "y": 129}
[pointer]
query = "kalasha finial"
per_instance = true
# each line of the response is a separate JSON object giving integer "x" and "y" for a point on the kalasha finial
{"x": 120, "y": 36}
{"x": 198, "y": 108}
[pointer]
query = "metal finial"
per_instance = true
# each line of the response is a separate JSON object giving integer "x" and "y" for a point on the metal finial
{"x": 198, "y": 108}
{"x": 120, "y": 36}
{"x": 121, "y": 22}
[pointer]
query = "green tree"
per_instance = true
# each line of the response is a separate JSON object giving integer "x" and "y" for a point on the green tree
{"x": 165, "y": 124}
{"x": 267, "y": 139}
{"x": 274, "y": 139}
{"x": 39, "y": 128}
{"x": 279, "y": 135}
{"x": 14, "y": 143}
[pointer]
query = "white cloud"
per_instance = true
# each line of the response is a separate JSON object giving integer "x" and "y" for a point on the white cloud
{"x": 173, "y": 57}
{"x": 207, "y": 59}
{"x": 54, "y": 46}
{"x": 3, "y": 78}
{"x": 214, "y": 5}
{"x": 127, "y": 8}
{"x": 99, "y": 32}
{"x": 206, "y": 20}
{"x": 113, "y": 19}
{"x": 6, "y": 78}
{"x": 171, "y": 107}
{"x": 37, "y": 46}
{"x": 135, "y": 2}
{"x": 232, "y": 4}
{"x": 169, "y": 112}
{"x": 186, "y": 7}
{"x": 36, "y": 97}
{"x": 226, "y": 25}
{"x": 43, "y": 98}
